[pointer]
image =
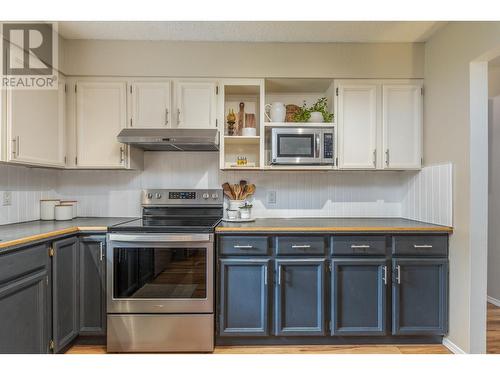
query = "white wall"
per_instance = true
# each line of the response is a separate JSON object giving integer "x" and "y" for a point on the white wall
{"x": 447, "y": 137}
{"x": 218, "y": 59}
{"x": 117, "y": 193}
{"x": 27, "y": 186}
{"x": 494, "y": 200}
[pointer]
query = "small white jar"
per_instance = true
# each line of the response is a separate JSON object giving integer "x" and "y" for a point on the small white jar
{"x": 232, "y": 214}
{"x": 47, "y": 208}
{"x": 245, "y": 213}
{"x": 74, "y": 204}
{"x": 63, "y": 212}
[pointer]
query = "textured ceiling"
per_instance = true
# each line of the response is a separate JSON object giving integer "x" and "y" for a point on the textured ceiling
{"x": 258, "y": 31}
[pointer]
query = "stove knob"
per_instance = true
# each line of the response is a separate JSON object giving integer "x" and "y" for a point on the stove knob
{"x": 158, "y": 195}
{"x": 215, "y": 196}
{"x": 150, "y": 196}
{"x": 205, "y": 196}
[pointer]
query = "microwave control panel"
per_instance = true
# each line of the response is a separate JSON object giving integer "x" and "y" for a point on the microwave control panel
{"x": 328, "y": 145}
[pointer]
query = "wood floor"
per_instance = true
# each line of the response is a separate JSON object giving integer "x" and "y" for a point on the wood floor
{"x": 493, "y": 337}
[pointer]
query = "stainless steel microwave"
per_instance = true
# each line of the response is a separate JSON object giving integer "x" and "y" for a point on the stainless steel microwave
{"x": 309, "y": 146}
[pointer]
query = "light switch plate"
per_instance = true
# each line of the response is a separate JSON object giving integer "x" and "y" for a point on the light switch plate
{"x": 7, "y": 198}
{"x": 271, "y": 197}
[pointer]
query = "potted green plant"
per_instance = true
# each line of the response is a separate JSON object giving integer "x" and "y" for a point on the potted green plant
{"x": 318, "y": 112}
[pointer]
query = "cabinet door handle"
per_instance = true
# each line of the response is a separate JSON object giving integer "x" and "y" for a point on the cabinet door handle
{"x": 101, "y": 252}
{"x": 387, "y": 157}
{"x": 14, "y": 147}
{"x": 422, "y": 246}
{"x": 279, "y": 275}
{"x": 243, "y": 246}
{"x": 301, "y": 246}
{"x": 360, "y": 246}
{"x": 178, "y": 116}
{"x": 166, "y": 116}
{"x": 265, "y": 275}
{"x": 398, "y": 274}
{"x": 385, "y": 275}
{"x": 374, "y": 158}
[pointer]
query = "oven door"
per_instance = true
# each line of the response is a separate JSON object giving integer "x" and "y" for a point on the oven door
{"x": 296, "y": 146}
{"x": 160, "y": 273}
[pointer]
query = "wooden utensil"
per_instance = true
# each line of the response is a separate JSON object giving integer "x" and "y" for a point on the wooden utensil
{"x": 237, "y": 191}
{"x": 228, "y": 190}
{"x": 250, "y": 189}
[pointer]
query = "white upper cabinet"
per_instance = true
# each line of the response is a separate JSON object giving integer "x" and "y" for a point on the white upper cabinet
{"x": 402, "y": 126}
{"x": 35, "y": 126}
{"x": 151, "y": 104}
{"x": 196, "y": 104}
{"x": 101, "y": 112}
{"x": 357, "y": 125}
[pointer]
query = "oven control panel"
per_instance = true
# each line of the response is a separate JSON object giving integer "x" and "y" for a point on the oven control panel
{"x": 168, "y": 197}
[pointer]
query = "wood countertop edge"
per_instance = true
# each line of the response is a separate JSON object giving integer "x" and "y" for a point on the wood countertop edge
{"x": 55, "y": 233}
{"x": 335, "y": 229}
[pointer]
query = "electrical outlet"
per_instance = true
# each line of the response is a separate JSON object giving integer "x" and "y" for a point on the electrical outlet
{"x": 7, "y": 198}
{"x": 271, "y": 197}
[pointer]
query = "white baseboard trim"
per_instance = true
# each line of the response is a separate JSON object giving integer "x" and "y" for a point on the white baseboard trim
{"x": 455, "y": 349}
{"x": 493, "y": 301}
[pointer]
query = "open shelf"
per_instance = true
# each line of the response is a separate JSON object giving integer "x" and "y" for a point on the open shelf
{"x": 241, "y": 139}
{"x": 298, "y": 124}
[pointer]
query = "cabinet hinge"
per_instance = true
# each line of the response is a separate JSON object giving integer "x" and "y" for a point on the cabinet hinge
{"x": 337, "y": 91}
{"x": 216, "y": 90}
{"x": 51, "y": 251}
{"x": 51, "y": 345}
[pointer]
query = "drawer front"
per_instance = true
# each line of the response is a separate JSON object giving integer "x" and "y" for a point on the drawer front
{"x": 359, "y": 245}
{"x": 426, "y": 245}
{"x": 301, "y": 245}
{"x": 243, "y": 245}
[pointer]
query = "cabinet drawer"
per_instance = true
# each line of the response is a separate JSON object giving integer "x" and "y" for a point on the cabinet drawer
{"x": 359, "y": 245}
{"x": 243, "y": 245}
{"x": 295, "y": 245}
{"x": 427, "y": 245}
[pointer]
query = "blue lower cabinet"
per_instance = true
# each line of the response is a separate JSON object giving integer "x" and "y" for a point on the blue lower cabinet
{"x": 300, "y": 297}
{"x": 420, "y": 297}
{"x": 358, "y": 297}
{"x": 244, "y": 297}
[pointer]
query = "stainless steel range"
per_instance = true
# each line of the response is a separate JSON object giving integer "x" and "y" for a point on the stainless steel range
{"x": 160, "y": 274}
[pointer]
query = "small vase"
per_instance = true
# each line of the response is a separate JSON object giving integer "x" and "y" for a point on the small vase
{"x": 316, "y": 117}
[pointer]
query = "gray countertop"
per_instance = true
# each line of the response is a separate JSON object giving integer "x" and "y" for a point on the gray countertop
{"x": 332, "y": 225}
{"x": 16, "y": 234}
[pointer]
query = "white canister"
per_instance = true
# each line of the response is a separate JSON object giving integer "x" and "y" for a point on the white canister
{"x": 245, "y": 213}
{"x": 74, "y": 204}
{"x": 249, "y": 132}
{"x": 232, "y": 214}
{"x": 316, "y": 117}
{"x": 235, "y": 205}
{"x": 47, "y": 211}
{"x": 277, "y": 112}
{"x": 63, "y": 212}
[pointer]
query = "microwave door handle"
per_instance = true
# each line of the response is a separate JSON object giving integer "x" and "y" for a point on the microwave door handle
{"x": 317, "y": 151}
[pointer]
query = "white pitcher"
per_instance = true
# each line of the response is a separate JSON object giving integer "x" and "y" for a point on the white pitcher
{"x": 277, "y": 111}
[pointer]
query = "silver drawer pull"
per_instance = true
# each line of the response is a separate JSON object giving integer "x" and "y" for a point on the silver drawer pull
{"x": 384, "y": 278}
{"x": 301, "y": 246}
{"x": 243, "y": 246}
{"x": 422, "y": 246}
{"x": 360, "y": 246}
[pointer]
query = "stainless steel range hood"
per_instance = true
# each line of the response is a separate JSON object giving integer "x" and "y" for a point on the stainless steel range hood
{"x": 171, "y": 139}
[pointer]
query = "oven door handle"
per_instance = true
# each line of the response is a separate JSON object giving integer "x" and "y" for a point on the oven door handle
{"x": 153, "y": 237}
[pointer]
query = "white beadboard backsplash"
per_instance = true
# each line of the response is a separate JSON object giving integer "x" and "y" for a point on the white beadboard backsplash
{"x": 298, "y": 194}
{"x": 27, "y": 186}
{"x": 428, "y": 195}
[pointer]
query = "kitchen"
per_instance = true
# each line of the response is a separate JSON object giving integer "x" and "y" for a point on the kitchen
{"x": 171, "y": 200}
